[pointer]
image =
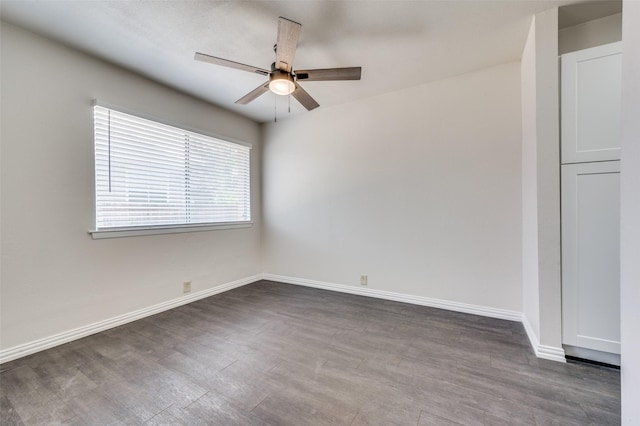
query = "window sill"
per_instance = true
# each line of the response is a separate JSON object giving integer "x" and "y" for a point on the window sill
{"x": 169, "y": 229}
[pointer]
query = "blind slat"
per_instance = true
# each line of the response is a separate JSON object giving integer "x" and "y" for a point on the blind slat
{"x": 150, "y": 173}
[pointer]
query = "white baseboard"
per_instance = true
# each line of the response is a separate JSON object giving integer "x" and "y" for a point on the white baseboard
{"x": 401, "y": 297}
{"x": 551, "y": 353}
{"x": 542, "y": 351}
{"x": 78, "y": 333}
{"x": 546, "y": 352}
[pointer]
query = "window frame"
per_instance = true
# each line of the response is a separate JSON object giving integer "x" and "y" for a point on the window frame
{"x": 133, "y": 231}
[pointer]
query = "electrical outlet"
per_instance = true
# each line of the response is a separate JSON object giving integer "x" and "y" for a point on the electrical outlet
{"x": 363, "y": 280}
{"x": 186, "y": 287}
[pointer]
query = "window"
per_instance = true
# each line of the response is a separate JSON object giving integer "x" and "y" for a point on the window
{"x": 150, "y": 174}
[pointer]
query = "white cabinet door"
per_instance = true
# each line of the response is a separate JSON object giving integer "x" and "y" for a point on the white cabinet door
{"x": 590, "y": 97}
{"x": 591, "y": 255}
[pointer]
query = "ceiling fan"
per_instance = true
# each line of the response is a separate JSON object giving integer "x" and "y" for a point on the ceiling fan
{"x": 283, "y": 79}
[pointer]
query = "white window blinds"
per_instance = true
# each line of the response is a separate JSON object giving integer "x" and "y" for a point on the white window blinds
{"x": 151, "y": 174}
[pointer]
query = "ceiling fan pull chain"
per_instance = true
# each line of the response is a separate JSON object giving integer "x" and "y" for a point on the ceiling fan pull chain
{"x": 275, "y": 109}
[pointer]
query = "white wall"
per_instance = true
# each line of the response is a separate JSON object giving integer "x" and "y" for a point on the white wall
{"x": 630, "y": 215}
{"x": 420, "y": 189}
{"x": 54, "y": 276}
{"x": 548, "y": 157}
{"x": 541, "y": 187}
{"x": 590, "y": 34}
{"x": 530, "y": 293}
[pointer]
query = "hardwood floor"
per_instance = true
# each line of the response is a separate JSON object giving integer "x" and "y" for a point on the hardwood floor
{"x": 278, "y": 354}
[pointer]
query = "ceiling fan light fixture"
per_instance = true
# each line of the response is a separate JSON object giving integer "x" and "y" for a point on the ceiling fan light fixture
{"x": 281, "y": 83}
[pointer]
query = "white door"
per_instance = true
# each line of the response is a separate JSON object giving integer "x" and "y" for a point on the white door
{"x": 590, "y": 104}
{"x": 591, "y": 255}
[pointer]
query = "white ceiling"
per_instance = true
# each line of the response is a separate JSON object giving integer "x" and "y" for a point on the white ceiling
{"x": 398, "y": 44}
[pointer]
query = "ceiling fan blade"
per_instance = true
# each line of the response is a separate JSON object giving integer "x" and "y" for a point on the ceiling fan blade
{"x": 304, "y": 98}
{"x": 326, "y": 74}
{"x": 260, "y": 90}
{"x": 230, "y": 64}
{"x": 288, "y": 34}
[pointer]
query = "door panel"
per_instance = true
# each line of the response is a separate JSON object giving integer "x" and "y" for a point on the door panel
{"x": 590, "y": 104}
{"x": 591, "y": 255}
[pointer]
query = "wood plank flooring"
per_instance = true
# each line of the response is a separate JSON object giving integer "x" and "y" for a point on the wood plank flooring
{"x": 278, "y": 354}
